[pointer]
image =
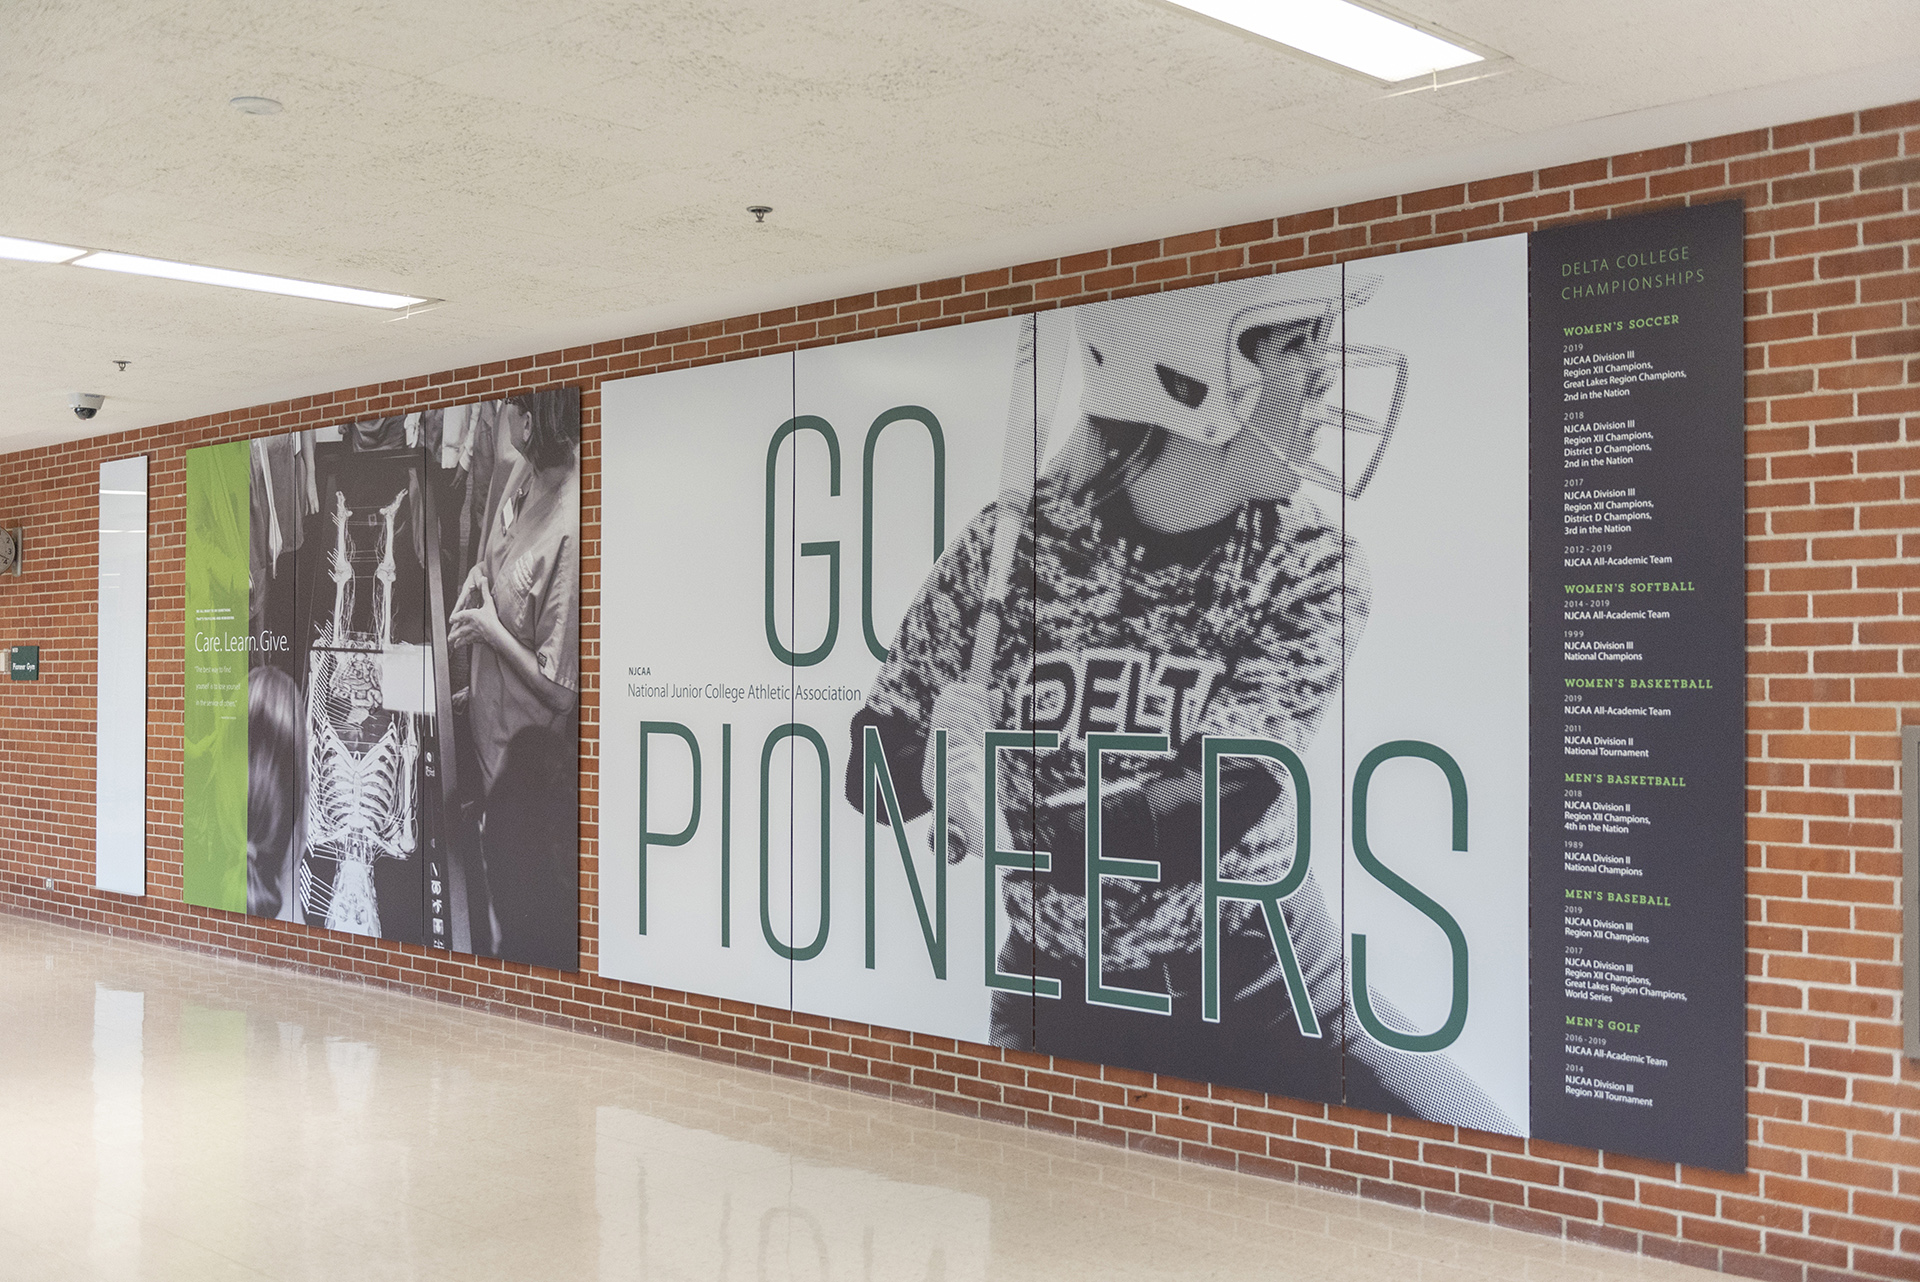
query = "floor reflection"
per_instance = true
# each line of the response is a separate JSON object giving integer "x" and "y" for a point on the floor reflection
{"x": 707, "y": 1206}
{"x": 119, "y": 1018}
{"x": 247, "y": 1123}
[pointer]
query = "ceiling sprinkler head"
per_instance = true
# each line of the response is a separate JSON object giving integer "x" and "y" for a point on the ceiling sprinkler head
{"x": 123, "y": 365}
{"x": 254, "y": 106}
{"x": 759, "y": 212}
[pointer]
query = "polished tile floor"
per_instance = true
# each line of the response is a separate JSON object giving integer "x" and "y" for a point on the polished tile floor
{"x": 166, "y": 1115}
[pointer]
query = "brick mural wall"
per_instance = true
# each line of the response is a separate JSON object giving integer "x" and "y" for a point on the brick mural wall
{"x": 1833, "y": 523}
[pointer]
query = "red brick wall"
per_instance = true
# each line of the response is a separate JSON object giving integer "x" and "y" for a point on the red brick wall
{"x": 1833, "y": 519}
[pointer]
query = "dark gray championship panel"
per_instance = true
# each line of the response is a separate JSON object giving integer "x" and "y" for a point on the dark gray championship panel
{"x": 1638, "y": 668}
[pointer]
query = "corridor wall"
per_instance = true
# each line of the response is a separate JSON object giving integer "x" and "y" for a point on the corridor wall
{"x": 1833, "y": 628}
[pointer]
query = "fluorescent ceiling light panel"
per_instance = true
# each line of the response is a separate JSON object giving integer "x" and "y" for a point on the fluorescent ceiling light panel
{"x": 161, "y": 267}
{"x": 37, "y": 251}
{"x": 1370, "y": 43}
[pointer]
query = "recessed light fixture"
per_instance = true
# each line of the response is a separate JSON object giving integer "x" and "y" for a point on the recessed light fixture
{"x": 1358, "y": 38}
{"x": 37, "y": 251}
{"x": 194, "y": 272}
{"x": 255, "y": 106}
{"x": 40, "y": 251}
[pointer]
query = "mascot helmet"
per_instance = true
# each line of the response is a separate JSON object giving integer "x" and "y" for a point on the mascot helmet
{"x": 1185, "y": 361}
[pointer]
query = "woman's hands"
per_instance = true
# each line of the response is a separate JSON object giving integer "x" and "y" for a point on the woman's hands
{"x": 467, "y": 587}
{"x": 964, "y": 711}
{"x": 478, "y": 622}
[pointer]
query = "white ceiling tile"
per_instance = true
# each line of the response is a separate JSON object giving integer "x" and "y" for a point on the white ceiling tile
{"x": 562, "y": 170}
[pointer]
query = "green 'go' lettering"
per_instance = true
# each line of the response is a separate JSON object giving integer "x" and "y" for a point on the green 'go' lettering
{"x": 829, "y": 549}
{"x": 924, "y": 417}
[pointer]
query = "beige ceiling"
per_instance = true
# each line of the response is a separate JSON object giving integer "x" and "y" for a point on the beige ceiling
{"x": 567, "y": 170}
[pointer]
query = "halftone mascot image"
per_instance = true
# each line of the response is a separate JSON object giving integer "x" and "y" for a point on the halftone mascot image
{"x": 1179, "y": 598}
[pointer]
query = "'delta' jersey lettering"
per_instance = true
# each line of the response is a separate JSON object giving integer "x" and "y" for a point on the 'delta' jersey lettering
{"x": 1246, "y": 637}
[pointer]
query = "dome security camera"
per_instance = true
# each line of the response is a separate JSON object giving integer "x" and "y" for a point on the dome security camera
{"x": 85, "y": 404}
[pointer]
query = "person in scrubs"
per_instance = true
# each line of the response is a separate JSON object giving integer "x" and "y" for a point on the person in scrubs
{"x": 519, "y": 607}
{"x": 519, "y": 611}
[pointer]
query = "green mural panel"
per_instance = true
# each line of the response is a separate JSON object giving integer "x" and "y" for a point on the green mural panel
{"x": 215, "y": 752}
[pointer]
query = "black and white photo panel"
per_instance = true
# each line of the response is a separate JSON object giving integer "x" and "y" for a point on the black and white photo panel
{"x": 389, "y": 616}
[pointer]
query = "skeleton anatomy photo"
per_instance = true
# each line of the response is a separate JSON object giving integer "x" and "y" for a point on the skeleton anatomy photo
{"x": 406, "y": 660}
{"x": 1090, "y": 682}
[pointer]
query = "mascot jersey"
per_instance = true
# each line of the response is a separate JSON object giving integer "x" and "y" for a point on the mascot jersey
{"x": 1237, "y": 629}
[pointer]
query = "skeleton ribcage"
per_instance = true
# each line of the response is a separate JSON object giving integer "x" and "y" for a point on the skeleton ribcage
{"x": 360, "y": 756}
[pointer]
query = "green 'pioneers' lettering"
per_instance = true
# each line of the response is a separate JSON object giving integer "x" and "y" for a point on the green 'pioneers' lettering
{"x": 932, "y": 929}
{"x": 1267, "y": 894}
{"x": 879, "y": 791}
{"x": 809, "y": 951}
{"x": 1099, "y": 868}
{"x": 647, "y": 836}
{"x": 1449, "y": 1032}
{"x": 726, "y": 835}
{"x": 1037, "y": 861}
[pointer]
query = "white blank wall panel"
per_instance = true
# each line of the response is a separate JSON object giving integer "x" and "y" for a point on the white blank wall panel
{"x": 120, "y": 719}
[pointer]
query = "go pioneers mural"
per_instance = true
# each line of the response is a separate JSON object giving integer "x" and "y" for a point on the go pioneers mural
{"x": 1325, "y": 683}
